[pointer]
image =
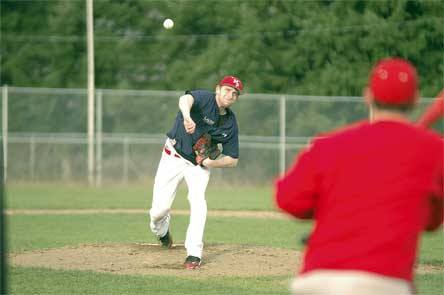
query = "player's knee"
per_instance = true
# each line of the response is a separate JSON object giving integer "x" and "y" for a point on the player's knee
{"x": 198, "y": 203}
{"x": 158, "y": 213}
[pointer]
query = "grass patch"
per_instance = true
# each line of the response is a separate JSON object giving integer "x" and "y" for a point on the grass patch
{"x": 432, "y": 248}
{"x": 28, "y": 232}
{"x": 47, "y": 196}
{"x": 430, "y": 284}
{"x": 45, "y": 281}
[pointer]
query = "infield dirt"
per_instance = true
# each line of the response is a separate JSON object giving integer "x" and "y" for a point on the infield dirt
{"x": 140, "y": 258}
{"x": 148, "y": 259}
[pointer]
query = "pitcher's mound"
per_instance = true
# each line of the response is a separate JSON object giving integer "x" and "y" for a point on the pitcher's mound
{"x": 139, "y": 258}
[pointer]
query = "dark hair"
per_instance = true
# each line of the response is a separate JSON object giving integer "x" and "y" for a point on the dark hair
{"x": 404, "y": 108}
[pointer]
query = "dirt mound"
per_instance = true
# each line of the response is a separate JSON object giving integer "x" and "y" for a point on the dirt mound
{"x": 139, "y": 258}
{"x": 146, "y": 259}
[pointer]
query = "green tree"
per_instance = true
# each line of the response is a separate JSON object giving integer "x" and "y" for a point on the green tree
{"x": 275, "y": 46}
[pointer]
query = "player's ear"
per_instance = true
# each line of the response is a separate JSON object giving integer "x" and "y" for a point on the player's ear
{"x": 368, "y": 96}
{"x": 217, "y": 89}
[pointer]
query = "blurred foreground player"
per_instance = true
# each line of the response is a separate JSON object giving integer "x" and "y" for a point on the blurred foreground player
{"x": 371, "y": 188}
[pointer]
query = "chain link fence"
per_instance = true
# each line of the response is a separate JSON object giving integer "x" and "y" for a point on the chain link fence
{"x": 45, "y": 133}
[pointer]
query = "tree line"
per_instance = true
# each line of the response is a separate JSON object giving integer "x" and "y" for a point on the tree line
{"x": 274, "y": 46}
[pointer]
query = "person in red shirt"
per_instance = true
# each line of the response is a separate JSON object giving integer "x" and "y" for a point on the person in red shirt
{"x": 433, "y": 112}
{"x": 371, "y": 188}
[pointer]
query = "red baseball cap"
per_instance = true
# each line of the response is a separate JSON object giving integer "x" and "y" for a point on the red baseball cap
{"x": 394, "y": 81}
{"x": 232, "y": 81}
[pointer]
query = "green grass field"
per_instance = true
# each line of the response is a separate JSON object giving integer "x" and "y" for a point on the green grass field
{"x": 74, "y": 196}
{"x": 33, "y": 232}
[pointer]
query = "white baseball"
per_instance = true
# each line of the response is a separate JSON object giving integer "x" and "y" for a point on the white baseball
{"x": 168, "y": 23}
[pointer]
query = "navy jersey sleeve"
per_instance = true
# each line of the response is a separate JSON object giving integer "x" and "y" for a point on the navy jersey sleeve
{"x": 231, "y": 148}
{"x": 201, "y": 98}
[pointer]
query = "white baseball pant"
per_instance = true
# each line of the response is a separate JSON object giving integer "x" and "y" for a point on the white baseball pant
{"x": 334, "y": 282}
{"x": 171, "y": 171}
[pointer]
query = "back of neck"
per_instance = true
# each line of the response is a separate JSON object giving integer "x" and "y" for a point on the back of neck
{"x": 383, "y": 115}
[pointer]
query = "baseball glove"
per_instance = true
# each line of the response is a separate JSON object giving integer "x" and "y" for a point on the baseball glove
{"x": 204, "y": 148}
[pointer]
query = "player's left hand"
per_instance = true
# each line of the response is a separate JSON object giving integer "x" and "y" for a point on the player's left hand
{"x": 205, "y": 149}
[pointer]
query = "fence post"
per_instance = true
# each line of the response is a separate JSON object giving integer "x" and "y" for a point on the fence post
{"x": 125, "y": 159}
{"x": 90, "y": 54}
{"x": 32, "y": 156}
{"x": 5, "y": 130}
{"x": 99, "y": 139}
{"x": 282, "y": 135}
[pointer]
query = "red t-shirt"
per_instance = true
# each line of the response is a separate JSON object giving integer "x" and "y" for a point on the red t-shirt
{"x": 371, "y": 189}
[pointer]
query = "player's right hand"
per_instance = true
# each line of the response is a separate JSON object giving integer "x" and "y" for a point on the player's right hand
{"x": 189, "y": 125}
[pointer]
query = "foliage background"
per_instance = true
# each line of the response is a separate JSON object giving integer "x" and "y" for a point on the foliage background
{"x": 293, "y": 47}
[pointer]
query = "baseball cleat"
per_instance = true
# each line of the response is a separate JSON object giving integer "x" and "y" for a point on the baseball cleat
{"x": 166, "y": 241}
{"x": 192, "y": 262}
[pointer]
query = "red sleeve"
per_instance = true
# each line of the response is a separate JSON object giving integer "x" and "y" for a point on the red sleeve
{"x": 436, "y": 203}
{"x": 433, "y": 112}
{"x": 296, "y": 191}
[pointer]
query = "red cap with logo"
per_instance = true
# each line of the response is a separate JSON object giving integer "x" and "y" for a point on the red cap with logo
{"x": 394, "y": 81}
{"x": 232, "y": 81}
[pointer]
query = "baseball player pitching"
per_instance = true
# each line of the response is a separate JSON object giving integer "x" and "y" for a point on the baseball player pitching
{"x": 191, "y": 149}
